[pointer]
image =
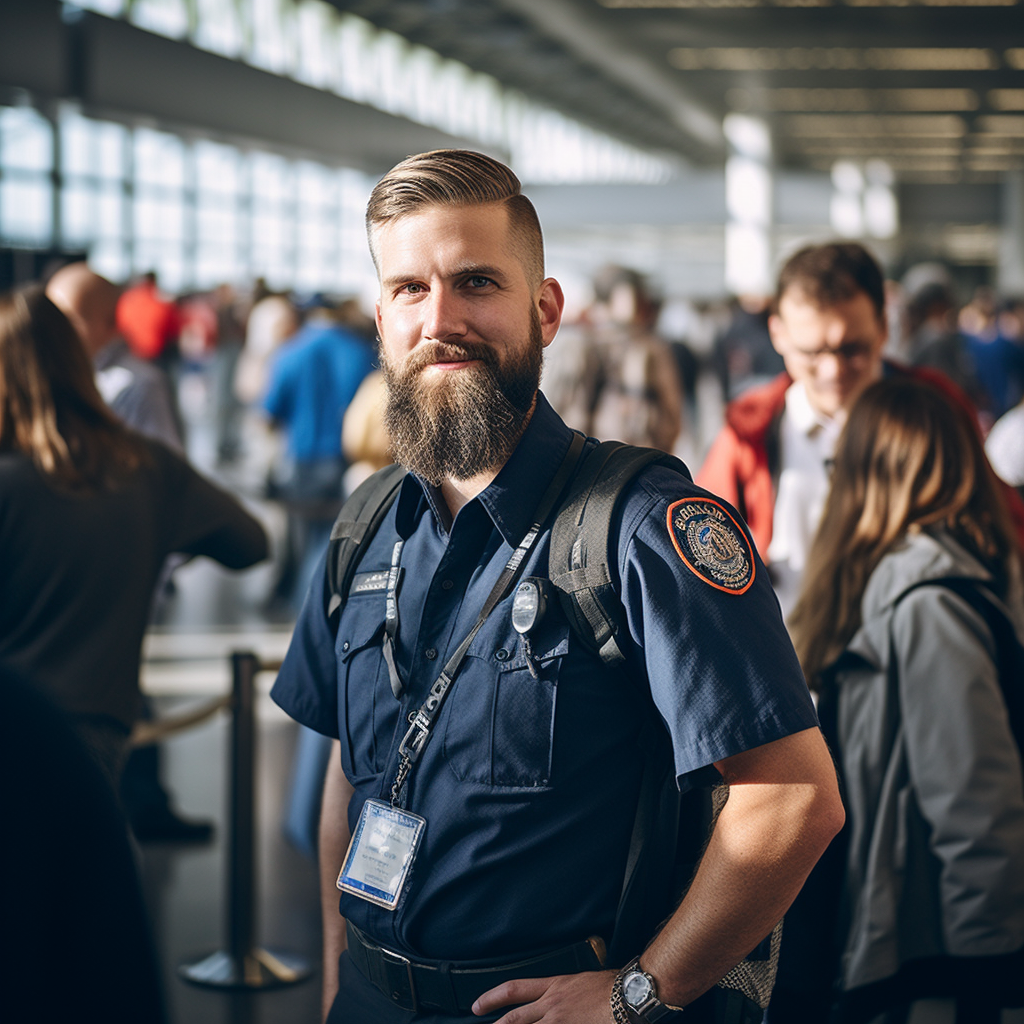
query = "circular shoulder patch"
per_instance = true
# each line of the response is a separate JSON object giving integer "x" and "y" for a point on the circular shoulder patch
{"x": 711, "y": 544}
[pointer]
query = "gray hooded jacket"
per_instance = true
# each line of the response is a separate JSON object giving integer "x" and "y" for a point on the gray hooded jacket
{"x": 933, "y": 776}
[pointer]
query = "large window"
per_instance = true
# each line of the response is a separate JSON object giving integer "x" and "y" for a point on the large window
{"x": 94, "y": 209}
{"x": 198, "y": 212}
{"x": 160, "y": 207}
{"x": 311, "y": 41}
{"x": 26, "y": 190}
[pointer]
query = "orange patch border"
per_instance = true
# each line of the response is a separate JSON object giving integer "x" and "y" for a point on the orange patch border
{"x": 689, "y": 565}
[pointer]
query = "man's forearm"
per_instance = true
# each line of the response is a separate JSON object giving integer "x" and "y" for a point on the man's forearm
{"x": 334, "y": 840}
{"x": 767, "y": 838}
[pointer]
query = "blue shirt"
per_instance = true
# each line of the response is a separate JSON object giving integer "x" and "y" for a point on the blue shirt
{"x": 529, "y": 785}
{"x": 311, "y": 382}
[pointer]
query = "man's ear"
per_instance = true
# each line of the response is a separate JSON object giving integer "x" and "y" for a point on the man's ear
{"x": 777, "y": 332}
{"x": 376, "y": 317}
{"x": 883, "y": 329}
{"x": 550, "y": 303}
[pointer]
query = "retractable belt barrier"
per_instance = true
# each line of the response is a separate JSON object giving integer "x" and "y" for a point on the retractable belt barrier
{"x": 243, "y": 964}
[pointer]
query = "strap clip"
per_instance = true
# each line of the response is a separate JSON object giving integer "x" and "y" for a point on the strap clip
{"x": 416, "y": 737}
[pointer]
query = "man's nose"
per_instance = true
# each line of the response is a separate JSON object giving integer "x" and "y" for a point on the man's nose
{"x": 829, "y": 364}
{"x": 444, "y": 316}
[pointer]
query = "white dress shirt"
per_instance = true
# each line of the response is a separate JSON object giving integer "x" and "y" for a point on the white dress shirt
{"x": 807, "y": 442}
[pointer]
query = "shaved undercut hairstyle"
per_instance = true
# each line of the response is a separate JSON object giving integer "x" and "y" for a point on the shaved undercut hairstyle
{"x": 457, "y": 177}
{"x": 832, "y": 273}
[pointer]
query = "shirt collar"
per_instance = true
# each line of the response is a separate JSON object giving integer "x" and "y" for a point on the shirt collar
{"x": 801, "y": 413}
{"x": 511, "y": 498}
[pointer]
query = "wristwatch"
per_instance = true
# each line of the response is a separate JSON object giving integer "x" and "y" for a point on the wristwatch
{"x": 640, "y": 996}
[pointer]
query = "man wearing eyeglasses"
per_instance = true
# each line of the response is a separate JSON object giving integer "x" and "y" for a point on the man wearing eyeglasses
{"x": 771, "y": 458}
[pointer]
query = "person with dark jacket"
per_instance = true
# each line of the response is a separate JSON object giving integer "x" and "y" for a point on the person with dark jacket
{"x": 89, "y": 512}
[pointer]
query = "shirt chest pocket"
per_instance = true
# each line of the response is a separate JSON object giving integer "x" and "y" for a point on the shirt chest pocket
{"x": 499, "y": 719}
{"x": 367, "y": 709}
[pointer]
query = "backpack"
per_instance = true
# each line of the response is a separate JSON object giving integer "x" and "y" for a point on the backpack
{"x": 1009, "y": 649}
{"x": 670, "y": 829}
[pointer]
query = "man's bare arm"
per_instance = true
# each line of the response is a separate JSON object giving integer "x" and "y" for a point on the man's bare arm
{"x": 783, "y": 810}
{"x": 334, "y": 840}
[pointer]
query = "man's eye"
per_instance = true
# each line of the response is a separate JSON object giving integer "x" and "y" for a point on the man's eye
{"x": 479, "y": 281}
{"x": 412, "y": 288}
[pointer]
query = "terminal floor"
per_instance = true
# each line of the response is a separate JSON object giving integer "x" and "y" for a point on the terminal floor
{"x": 212, "y": 613}
{"x": 186, "y": 887}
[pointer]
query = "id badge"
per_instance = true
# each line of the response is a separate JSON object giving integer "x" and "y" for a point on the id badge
{"x": 381, "y": 853}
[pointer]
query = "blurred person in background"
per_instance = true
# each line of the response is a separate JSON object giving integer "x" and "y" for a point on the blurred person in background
{"x": 59, "y": 810}
{"x": 771, "y": 457}
{"x": 231, "y": 312}
{"x": 614, "y": 378}
{"x": 998, "y": 353}
{"x": 744, "y": 354}
{"x": 139, "y": 393}
{"x": 364, "y": 436}
{"x": 1005, "y": 447}
{"x": 310, "y": 381}
{"x": 937, "y": 342}
{"x": 272, "y": 320}
{"x": 149, "y": 321}
{"x": 89, "y": 512}
{"x": 910, "y": 619}
{"x": 136, "y": 390}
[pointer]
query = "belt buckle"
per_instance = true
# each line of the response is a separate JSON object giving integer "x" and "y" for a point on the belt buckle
{"x": 391, "y": 957}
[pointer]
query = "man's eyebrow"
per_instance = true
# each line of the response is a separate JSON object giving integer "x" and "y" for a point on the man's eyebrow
{"x": 478, "y": 270}
{"x": 460, "y": 270}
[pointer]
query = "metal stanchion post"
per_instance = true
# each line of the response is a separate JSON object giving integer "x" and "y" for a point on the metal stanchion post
{"x": 243, "y": 964}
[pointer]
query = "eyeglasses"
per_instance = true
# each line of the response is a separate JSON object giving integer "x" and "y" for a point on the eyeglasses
{"x": 849, "y": 352}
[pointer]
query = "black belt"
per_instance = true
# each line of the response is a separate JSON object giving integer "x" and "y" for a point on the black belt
{"x": 412, "y": 984}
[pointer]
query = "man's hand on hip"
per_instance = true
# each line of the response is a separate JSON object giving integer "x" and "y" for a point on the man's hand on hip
{"x": 564, "y": 999}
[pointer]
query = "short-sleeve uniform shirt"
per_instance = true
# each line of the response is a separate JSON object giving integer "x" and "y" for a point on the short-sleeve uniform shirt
{"x": 529, "y": 783}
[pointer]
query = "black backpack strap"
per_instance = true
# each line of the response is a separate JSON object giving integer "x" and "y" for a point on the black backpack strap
{"x": 359, "y": 519}
{"x": 1009, "y": 651}
{"x": 578, "y": 562}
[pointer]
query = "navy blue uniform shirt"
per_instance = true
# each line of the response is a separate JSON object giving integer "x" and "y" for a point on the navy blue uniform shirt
{"x": 529, "y": 785}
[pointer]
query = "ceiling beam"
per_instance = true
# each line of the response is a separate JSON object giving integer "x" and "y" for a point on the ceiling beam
{"x": 579, "y": 32}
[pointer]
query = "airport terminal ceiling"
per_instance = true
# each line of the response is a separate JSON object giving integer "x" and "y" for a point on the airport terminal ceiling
{"x": 934, "y": 87}
{"x": 609, "y": 96}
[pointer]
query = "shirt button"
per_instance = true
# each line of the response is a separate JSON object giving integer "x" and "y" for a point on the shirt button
{"x": 345, "y": 646}
{"x": 501, "y": 654}
{"x": 431, "y": 653}
{"x": 447, "y": 585}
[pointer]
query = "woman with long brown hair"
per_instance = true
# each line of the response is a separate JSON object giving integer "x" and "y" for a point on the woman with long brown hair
{"x": 907, "y": 624}
{"x": 89, "y": 511}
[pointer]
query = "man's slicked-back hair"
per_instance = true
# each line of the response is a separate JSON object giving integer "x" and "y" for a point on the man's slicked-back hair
{"x": 832, "y": 273}
{"x": 457, "y": 177}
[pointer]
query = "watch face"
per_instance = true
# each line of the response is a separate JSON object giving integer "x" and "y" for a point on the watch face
{"x": 636, "y": 988}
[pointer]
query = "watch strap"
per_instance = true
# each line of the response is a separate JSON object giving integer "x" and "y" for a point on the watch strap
{"x": 653, "y": 1010}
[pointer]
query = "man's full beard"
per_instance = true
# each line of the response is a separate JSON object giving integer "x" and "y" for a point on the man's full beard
{"x": 469, "y": 420}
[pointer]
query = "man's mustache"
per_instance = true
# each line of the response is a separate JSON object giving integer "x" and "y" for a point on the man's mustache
{"x": 447, "y": 352}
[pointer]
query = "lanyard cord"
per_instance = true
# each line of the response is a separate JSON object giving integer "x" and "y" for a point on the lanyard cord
{"x": 422, "y": 720}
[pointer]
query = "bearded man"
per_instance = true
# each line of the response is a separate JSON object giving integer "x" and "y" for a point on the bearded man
{"x": 480, "y": 857}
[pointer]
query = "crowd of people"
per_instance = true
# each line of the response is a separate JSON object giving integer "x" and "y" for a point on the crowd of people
{"x": 848, "y": 552}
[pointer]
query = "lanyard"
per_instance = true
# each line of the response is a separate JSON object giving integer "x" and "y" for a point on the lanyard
{"x": 422, "y": 720}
